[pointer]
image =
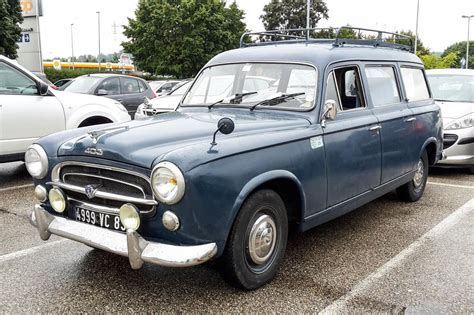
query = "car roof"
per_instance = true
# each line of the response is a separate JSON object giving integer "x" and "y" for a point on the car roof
{"x": 451, "y": 71}
{"x": 316, "y": 54}
{"x": 108, "y": 75}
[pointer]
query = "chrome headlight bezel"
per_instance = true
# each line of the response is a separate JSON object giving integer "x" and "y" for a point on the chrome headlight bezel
{"x": 177, "y": 175}
{"x": 466, "y": 121}
{"x": 43, "y": 161}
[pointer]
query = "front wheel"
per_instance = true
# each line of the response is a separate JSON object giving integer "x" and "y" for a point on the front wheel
{"x": 413, "y": 190}
{"x": 257, "y": 242}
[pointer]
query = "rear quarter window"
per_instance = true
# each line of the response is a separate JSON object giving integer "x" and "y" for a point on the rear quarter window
{"x": 415, "y": 84}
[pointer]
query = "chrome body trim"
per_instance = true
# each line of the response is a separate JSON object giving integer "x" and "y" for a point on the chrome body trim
{"x": 104, "y": 195}
{"x": 58, "y": 182}
{"x": 107, "y": 178}
{"x": 94, "y": 207}
{"x": 131, "y": 245}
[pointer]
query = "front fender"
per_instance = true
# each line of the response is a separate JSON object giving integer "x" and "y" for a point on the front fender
{"x": 80, "y": 114}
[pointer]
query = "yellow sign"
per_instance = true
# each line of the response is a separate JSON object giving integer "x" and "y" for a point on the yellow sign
{"x": 26, "y": 6}
{"x": 108, "y": 65}
{"x": 57, "y": 64}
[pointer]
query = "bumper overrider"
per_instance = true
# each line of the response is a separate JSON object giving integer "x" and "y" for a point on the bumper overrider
{"x": 131, "y": 245}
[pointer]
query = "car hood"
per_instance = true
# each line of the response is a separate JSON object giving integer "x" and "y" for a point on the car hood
{"x": 71, "y": 100}
{"x": 166, "y": 102}
{"x": 454, "y": 110}
{"x": 141, "y": 142}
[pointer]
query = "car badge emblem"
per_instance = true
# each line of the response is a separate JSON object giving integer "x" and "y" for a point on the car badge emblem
{"x": 91, "y": 190}
{"x": 94, "y": 151}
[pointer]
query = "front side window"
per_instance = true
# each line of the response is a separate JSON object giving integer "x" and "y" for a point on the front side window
{"x": 110, "y": 86}
{"x": 452, "y": 88}
{"x": 382, "y": 85}
{"x": 344, "y": 87}
{"x": 13, "y": 82}
{"x": 82, "y": 84}
{"x": 129, "y": 86}
{"x": 415, "y": 84}
{"x": 248, "y": 84}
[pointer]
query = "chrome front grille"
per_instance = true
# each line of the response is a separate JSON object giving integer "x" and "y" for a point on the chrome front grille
{"x": 112, "y": 186}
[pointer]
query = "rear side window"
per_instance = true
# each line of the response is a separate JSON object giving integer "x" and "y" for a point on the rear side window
{"x": 129, "y": 86}
{"x": 415, "y": 84}
{"x": 143, "y": 86}
{"x": 382, "y": 85}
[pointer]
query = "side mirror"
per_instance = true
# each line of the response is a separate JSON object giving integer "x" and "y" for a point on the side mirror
{"x": 102, "y": 92}
{"x": 43, "y": 88}
{"x": 225, "y": 126}
{"x": 330, "y": 109}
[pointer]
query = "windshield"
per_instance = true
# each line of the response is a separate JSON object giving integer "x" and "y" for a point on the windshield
{"x": 82, "y": 84}
{"x": 225, "y": 84}
{"x": 180, "y": 90}
{"x": 452, "y": 88}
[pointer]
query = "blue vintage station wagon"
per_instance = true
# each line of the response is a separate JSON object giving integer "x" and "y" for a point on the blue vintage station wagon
{"x": 287, "y": 131}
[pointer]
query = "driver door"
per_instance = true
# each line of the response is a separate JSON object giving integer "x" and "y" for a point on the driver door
{"x": 24, "y": 114}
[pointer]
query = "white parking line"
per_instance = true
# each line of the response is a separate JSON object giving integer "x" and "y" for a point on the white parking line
{"x": 15, "y": 187}
{"x": 29, "y": 251}
{"x": 340, "y": 305}
{"x": 451, "y": 185}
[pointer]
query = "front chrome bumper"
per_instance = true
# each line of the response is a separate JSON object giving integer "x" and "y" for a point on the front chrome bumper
{"x": 131, "y": 245}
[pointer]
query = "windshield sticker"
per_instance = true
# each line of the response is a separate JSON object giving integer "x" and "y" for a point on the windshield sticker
{"x": 316, "y": 142}
{"x": 246, "y": 68}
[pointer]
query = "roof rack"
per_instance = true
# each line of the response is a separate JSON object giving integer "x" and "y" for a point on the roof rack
{"x": 337, "y": 36}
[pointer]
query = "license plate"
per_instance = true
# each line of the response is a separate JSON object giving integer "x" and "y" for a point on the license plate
{"x": 105, "y": 220}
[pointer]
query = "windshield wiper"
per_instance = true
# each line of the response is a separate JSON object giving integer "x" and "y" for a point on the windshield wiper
{"x": 277, "y": 100}
{"x": 235, "y": 99}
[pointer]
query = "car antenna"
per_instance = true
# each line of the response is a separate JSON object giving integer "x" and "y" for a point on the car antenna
{"x": 225, "y": 126}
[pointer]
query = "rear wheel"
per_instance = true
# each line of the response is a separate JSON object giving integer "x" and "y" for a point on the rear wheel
{"x": 413, "y": 190}
{"x": 257, "y": 242}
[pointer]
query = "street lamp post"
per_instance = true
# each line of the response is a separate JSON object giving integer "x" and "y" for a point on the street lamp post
{"x": 98, "y": 32}
{"x": 416, "y": 27}
{"x": 308, "y": 10}
{"x": 72, "y": 46}
{"x": 468, "y": 17}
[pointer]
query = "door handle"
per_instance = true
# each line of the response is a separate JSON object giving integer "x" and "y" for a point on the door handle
{"x": 120, "y": 100}
{"x": 410, "y": 119}
{"x": 378, "y": 127}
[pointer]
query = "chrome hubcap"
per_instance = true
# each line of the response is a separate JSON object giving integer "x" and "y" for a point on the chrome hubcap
{"x": 262, "y": 239}
{"x": 419, "y": 174}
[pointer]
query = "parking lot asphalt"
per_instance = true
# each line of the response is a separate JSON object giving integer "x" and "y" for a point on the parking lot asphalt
{"x": 387, "y": 256}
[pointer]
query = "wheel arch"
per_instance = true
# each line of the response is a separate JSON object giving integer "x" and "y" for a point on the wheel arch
{"x": 284, "y": 183}
{"x": 431, "y": 148}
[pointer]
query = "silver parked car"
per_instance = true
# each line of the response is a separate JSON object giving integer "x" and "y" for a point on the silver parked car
{"x": 163, "y": 104}
{"x": 453, "y": 89}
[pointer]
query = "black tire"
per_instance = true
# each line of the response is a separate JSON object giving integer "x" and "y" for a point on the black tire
{"x": 237, "y": 266}
{"x": 413, "y": 190}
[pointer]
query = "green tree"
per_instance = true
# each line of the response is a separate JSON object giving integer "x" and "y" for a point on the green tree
{"x": 290, "y": 14}
{"x": 460, "y": 50}
{"x": 10, "y": 30}
{"x": 177, "y": 37}
{"x": 421, "y": 49}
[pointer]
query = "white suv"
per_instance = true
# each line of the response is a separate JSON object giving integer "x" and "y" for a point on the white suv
{"x": 30, "y": 110}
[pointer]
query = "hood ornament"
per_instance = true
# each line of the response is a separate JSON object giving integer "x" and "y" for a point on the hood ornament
{"x": 97, "y": 134}
{"x": 91, "y": 190}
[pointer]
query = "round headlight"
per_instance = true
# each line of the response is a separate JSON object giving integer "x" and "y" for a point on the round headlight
{"x": 167, "y": 182}
{"x": 129, "y": 216}
{"x": 36, "y": 161}
{"x": 57, "y": 199}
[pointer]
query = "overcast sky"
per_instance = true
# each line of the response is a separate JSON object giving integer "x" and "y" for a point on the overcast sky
{"x": 440, "y": 22}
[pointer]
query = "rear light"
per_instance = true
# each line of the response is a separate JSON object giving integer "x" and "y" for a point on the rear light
{"x": 154, "y": 94}
{"x": 54, "y": 87}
